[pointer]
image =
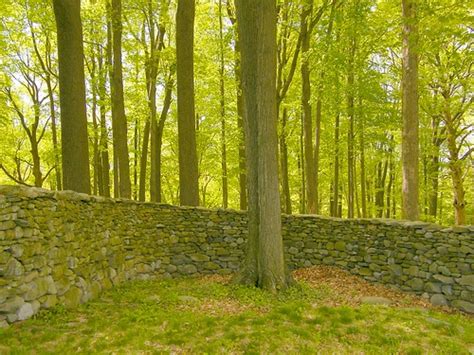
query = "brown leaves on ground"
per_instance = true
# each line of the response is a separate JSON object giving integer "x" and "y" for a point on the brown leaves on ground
{"x": 347, "y": 289}
{"x": 340, "y": 288}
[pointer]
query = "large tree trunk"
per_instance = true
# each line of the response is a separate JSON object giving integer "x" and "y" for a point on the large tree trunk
{"x": 410, "y": 149}
{"x": 119, "y": 120}
{"x": 188, "y": 164}
{"x": 363, "y": 180}
{"x": 264, "y": 265}
{"x": 75, "y": 153}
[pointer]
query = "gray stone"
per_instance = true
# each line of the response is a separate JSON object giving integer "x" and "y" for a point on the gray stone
{"x": 189, "y": 269}
{"x": 11, "y": 305}
{"x": 200, "y": 257}
{"x": 25, "y": 311}
{"x": 396, "y": 269}
{"x": 416, "y": 284}
{"x": 14, "y": 268}
{"x": 438, "y": 300}
{"x": 467, "y": 280}
{"x": 433, "y": 287}
{"x": 443, "y": 279}
{"x": 293, "y": 250}
{"x": 464, "y": 306}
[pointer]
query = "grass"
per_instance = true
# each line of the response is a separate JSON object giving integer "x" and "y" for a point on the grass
{"x": 208, "y": 315}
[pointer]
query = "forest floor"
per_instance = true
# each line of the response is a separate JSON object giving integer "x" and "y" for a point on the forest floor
{"x": 330, "y": 311}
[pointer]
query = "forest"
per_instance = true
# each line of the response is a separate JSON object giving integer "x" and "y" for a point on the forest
{"x": 373, "y": 104}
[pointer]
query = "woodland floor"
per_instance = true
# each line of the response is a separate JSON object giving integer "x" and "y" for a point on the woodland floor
{"x": 323, "y": 314}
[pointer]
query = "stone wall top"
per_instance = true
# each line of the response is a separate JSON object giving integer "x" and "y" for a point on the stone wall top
{"x": 26, "y": 192}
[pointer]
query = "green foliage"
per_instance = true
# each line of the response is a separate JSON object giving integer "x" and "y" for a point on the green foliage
{"x": 446, "y": 58}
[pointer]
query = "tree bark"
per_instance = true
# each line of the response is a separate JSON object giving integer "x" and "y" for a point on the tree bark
{"x": 350, "y": 134}
{"x": 284, "y": 164}
{"x": 264, "y": 265}
{"x": 188, "y": 164}
{"x": 410, "y": 149}
{"x": 225, "y": 188}
{"x": 103, "y": 139}
{"x": 74, "y": 141}
{"x": 240, "y": 109}
{"x": 119, "y": 120}
{"x": 311, "y": 197}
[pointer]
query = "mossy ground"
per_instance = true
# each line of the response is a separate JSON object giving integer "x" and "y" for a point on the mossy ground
{"x": 208, "y": 315}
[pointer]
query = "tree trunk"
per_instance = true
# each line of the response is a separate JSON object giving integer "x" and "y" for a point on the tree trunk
{"x": 159, "y": 134}
{"x": 350, "y": 134}
{"x": 264, "y": 265}
{"x": 188, "y": 164}
{"x": 335, "y": 211}
{"x": 311, "y": 198}
{"x": 410, "y": 149}
{"x": 459, "y": 201}
{"x": 143, "y": 162}
{"x": 225, "y": 188}
{"x": 363, "y": 180}
{"x": 75, "y": 153}
{"x": 54, "y": 133}
{"x": 103, "y": 139}
{"x": 119, "y": 120}
{"x": 284, "y": 164}
{"x": 240, "y": 109}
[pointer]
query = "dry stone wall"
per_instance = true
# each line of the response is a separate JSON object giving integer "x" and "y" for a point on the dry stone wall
{"x": 65, "y": 248}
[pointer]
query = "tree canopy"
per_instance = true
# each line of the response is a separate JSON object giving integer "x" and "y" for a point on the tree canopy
{"x": 338, "y": 104}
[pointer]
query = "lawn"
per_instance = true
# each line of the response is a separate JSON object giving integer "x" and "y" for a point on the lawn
{"x": 325, "y": 313}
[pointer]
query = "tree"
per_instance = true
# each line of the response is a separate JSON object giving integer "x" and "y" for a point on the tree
{"x": 410, "y": 149}
{"x": 188, "y": 167}
{"x": 264, "y": 265}
{"x": 74, "y": 140}
{"x": 119, "y": 120}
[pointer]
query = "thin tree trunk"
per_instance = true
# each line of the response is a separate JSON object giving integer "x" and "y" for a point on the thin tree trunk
{"x": 225, "y": 188}
{"x": 363, "y": 180}
{"x": 459, "y": 193}
{"x": 103, "y": 140}
{"x": 143, "y": 161}
{"x": 311, "y": 198}
{"x": 159, "y": 133}
{"x": 350, "y": 134}
{"x": 335, "y": 212}
{"x": 284, "y": 164}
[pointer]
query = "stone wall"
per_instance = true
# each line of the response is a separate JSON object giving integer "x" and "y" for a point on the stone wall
{"x": 65, "y": 247}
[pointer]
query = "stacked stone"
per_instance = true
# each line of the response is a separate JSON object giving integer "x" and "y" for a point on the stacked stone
{"x": 417, "y": 257}
{"x": 66, "y": 247}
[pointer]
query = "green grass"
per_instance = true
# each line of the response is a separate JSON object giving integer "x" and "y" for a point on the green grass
{"x": 212, "y": 317}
